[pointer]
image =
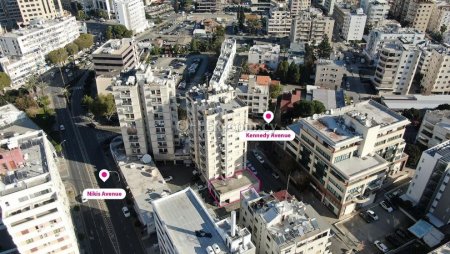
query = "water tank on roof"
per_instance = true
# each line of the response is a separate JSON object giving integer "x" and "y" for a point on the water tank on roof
{"x": 209, "y": 250}
{"x": 216, "y": 248}
{"x": 146, "y": 159}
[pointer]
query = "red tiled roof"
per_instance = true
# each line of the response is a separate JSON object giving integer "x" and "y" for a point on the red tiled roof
{"x": 263, "y": 80}
{"x": 289, "y": 99}
{"x": 282, "y": 195}
{"x": 11, "y": 160}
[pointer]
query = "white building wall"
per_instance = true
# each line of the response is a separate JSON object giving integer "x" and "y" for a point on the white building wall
{"x": 131, "y": 14}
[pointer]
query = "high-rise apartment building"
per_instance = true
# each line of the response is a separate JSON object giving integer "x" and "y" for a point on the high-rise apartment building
{"x": 440, "y": 17}
{"x": 434, "y": 128}
{"x": 310, "y": 26}
{"x": 419, "y": 14}
{"x": 147, "y": 110}
{"x": 131, "y": 14}
{"x": 349, "y": 152}
{"x": 436, "y": 78}
{"x": 14, "y": 12}
{"x": 254, "y": 91}
{"x": 114, "y": 56}
{"x": 397, "y": 65}
{"x": 429, "y": 189}
{"x": 349, "y": 22}
{"x": 376, "y": 11}
{"x": 33, "y": 202}
{"x": 281, "y": 224}
{"x": 298, "y": 5}
{"x": 329, "y": 6}
{"x": 19, "y": 69}
{"x": 279, "y": 21}
{"x": 184, "y": 226}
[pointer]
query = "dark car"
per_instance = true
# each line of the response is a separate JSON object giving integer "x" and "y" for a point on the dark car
{"x": 365, "y": 217}
{"x": 201, "y": 233}
{"x": 403, "y": 234}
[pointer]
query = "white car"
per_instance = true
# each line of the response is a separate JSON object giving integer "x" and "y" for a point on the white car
{"x": 168, "y": 179}
{"x": 83, "y": 199}
{"x": 126, "y": 212}
{"x": 260, "y": 159}
{"x": 386, "y": 206}
{"x": 381, "y": 246}
{"x": 62, "y": 128}
{"x": 372, "y": 215}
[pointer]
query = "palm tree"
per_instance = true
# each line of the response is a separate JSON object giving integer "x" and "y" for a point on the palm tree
{"x": 42, "y": 86}
{"x": 31, "y": 83}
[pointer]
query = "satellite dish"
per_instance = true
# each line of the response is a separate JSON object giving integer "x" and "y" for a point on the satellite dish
{"x": 146, "y": 159}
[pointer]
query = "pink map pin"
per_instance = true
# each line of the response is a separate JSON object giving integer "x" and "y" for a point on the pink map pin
{"x": 103, "y": 174}
{"x": 268, "y": 116}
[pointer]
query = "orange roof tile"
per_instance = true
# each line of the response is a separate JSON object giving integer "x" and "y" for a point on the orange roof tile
{"x": 263, "y": 80}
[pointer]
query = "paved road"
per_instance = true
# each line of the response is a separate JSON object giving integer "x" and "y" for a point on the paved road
{"x": 106, "y": 227}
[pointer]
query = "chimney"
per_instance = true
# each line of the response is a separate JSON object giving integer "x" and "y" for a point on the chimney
{"x": 233, "y": 223}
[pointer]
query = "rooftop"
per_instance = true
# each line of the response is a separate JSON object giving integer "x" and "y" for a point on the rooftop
{"x": 114, "y": 47}
{"x": 399, "y": 102}
{"x": 182, "y": 214}
{"x": 436, "y": 116}
{"x": 365, "y": 166}
{"x": 330, "y": 62}
{"x": 145, "y": 74}
{"x": 265, "y": 48}
{"x": 228, "y": 50}
{"x": 443, "y": 150}
{"x": 37, "y": 25}
{"x": 254, "y": 84}
{"x": 330, "y": 98}
{"x": 241, "y": 180}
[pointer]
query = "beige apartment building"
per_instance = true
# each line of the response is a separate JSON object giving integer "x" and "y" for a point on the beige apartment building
{"x": 436, "y": 79}
{"x": 14, "y": 12}
{"x": 298, "y": 5}
{"x": 349, "y": 152}
{"x": 434, "y": 128}
{"x": 281, "y": 224}
{"x": 254, "y": 91}
{"x": 419, "y": 14}
{"x": 329, "y": 73}
{"x": 440, "y": 16}
{"x": 114, "y": 56}
{"x": 311, "y": 26}
{"x": 279, "y": 22}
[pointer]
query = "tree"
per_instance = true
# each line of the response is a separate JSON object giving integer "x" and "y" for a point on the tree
{"x": 443, "y": 29}
{"x": 102, "y": 106}
{"x": 87, "y": 100}
{"x": 318, "y": 107}
{"x": 282, "y": 70}
{"x": 241, "y": 18}
{"x": 412, "y": 114}
{"x": 245, "y": 68}
{"x": 303, "y": 108}
{"x": 324, "y": 48}
{"x": 414, "y": 153}
{"x": 57, "y": 56}
{"x": 84, "y": 41}
{"x": 109, "y": 33}
{"x": 156, "y": 50}
{"x": 5, "y": 80}
{"x": 81, "y": 15}
{"x": 119, "y": 32}
{"x": 443, "y": 107}
{"x": 71, "y": 48}
{"x": 194, "y": 45}
{"x": 275, "y": 90}
{"x": 293, "y": 74}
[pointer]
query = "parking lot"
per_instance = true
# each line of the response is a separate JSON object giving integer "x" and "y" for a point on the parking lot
{"x": 366, "y": 233}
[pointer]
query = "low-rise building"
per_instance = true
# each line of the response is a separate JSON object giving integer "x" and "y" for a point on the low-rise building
{"x": 115, "y": 56}
{"x": 184, "y": 225}
{"x": 428, "y": 189}
{"x": 349, "y": 23}
{"x": 349, "y": 152}
{"x": 253, "y": 90}
{"x": 296, "y": 53}
{"x": 311, "y": 26}
{"x": 19, "y": 69}
{"x": 267, "y": 54}
{"x": 329, "y": 74}
{"x": 436, "y": 77}
{"x": 435, "y": 128}
{"x": 282, "y": 224}
{"x": 330, "y": 98}
{"x": 289, "y": 99}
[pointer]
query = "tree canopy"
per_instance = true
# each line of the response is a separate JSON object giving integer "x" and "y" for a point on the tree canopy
{"x": 5, "y": 80}
{"x": 102, "y": 106}
{"x": 414, "y": 154}
{"x": 306, "y": 108}
{"x": 57, "y": 56}
{"x": 84, "y": 41}
{"x": 118, "y": 32}
{"x": 275, "y": 90}
{"x": 443, "y": 107}
{"x": 71, "y": 48}
{"x": 324, "y": 48}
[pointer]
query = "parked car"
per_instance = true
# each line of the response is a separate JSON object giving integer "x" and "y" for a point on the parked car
{"x": 260, "y": 158}
{"x": 62, "y": 128}
{"x": 125, "y": 211}
{"x": 201, "y": 233}
{"x": 381, "y": 246}
{"x": 386, "y": 206}
{"x": 168, "y": 179}
{"x": 365, "y": 217}
{"x": 403, "y": 234}
{"x": 276, "y": 175}
{"x": 201, "y": 187}
{"x": 372, "y": 215}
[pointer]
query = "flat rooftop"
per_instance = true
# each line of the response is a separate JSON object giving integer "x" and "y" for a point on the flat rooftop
{"x": 241, "y": 180}
{"x": 330, "y": 98}
{"x": 37, "y": 25}
{"x": 144, "y": 74}
{"x": 182, "y": 214}
{"x": 443, "y": 150}
{"x": 113, "y": 47}
{"x": 365, "y": 166}
{"x": 399, "y": 102}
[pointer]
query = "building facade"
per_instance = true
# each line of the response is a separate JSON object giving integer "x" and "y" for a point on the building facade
{"x": 147, "y": 110}
{"x": 114, "y": 56}
{"x": 349, "y": 23}
{"x": 35, "y": 207}
{"x": 397, "y": 65}
{"x": 311, "y": 26}
{"x": 329, "y": 146}
{"x": 436, "y": 77}
{"x": 440, "y": 17}
{"x": 376, "y": 11}
{"x": 329, "y": 74}
{"x": 434, "y": 128}
{"x": 419, "y": 14}
{"x": 253, "y": 90}
{"x": 329, "y": 6}
{"x": 15, "y": 12}
{"x": 281, "y": 224}
{"x": 279, "y": 22}
{"x": 429, "y": 189}
{"x": 267, "y": 54}
{"x": 298, "y": 5}
{"x": 19, "y": 69}
{"x": 131, "y": 14}
{"x": 224, "y": 63}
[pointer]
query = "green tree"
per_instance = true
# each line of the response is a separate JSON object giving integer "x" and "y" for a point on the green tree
{"x": 443, "y": 29}
{"x": 81, "y": 15}
{"x": 109, "y": 33}
{"x": 318, "y": 107}
{"x": 84, "y": 41}
{"x": 282, "y": 70}
{"x": 412, "y": 114}
{"x": 303, "y": 108}
{"x": 87, "y": 101}
{"x": 245, "y": 68}
{"x": 102, "y": 106}
{"x": 102, "y": 14}
{"x": 194, "y": 45}
{"x": 57, "y": 56}
{"x": 120, "y": 31}
{"x": 241, "y": 18}
{"x": 156, "y": 50}
{"x": 324, "y": 48}
{"x": 293, "y": 74}
{"x": 443, "y": 107}
{"x": 5, "y": 80}
{"x": 275, "y": 90}
{"x": 71, "y": 48}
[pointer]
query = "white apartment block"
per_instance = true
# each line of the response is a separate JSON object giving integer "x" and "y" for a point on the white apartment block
{"x": 184, "y": 226}
{"x": 350, "y": 23}
{"x": 397, "y": 65}
{"x": 147, "y": 110}
{"x": 281, "y": 224}
{"x": 40, "y": 36}
{"x": 105, "y": 5}
{"x": 436, "y": 77}
{"x": 131, "y": 14}
{"x": 381, "y": 35}
{"x": 329, "y": 6}
{"x": 376, "y": 11}
{"x": 435, "y": 128}
{"x": 19, "y": 69}
{"x": 311, "y": 26}
{"x": 267, "y": 54}
{"x": 349, "y": 152}
{"x": 279, "y": 22}
{"x": 419, "y": 13}
{"x": 298, "y": 5}
{"x": 440, "y": 16}
{"x": 224, "y": 63}
{"x": 33, "y": 202}
{"x": 215, "y": 115}
{"x": 329, "y": 73}
{"x": 426, "y": 49}
{"x": 16, "y": 12}
{"x": 253, "y": 90}
{"x": 429, "y": 189}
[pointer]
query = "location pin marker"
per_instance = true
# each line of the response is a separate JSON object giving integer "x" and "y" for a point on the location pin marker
{"x": 268, "y": 116}
{"x": 104, "y": 175}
